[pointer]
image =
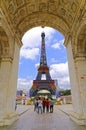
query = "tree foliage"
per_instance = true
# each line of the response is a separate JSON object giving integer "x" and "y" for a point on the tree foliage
{"x": 65, "y": 92}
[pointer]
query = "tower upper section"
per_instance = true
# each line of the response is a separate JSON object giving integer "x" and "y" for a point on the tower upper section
{"x": 43, "y": 60}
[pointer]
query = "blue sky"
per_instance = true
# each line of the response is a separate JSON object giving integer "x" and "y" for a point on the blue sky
{"x": 30, "y": 57}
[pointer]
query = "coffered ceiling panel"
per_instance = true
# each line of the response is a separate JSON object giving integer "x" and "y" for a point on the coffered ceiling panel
{"x": 25, "y": 14}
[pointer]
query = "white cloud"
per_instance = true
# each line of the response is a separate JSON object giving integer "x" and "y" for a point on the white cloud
{"x": 32, "y": 41}
{"x": 53, "y": 60}
{"x": 24, "y": 84}
{"x": 61, "y": 73}
{"x": 32, "y": 38}
{"x": 37, "y": 65}
{"x": 58, "y": 44}
{"x": 28, "y": 53}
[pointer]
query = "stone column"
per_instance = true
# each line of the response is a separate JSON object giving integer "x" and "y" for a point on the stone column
{"x": 8, "y": 87}
{"x": 9, "y": 61}
{"x": 77, "y": 72}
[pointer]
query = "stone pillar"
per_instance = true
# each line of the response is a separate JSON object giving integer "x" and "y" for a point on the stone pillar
{"x": 9, "y": 60}
{"x": 77, "y": 72}
{"x": 8, "y": 87}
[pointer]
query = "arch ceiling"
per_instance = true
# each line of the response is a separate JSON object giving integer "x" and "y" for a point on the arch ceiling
{"x": 22, "y": 15}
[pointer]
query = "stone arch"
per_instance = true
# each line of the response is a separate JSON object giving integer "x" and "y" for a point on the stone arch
{"x": 21, "y": 15}
{"x": 42, "y": 20}
{"x": 79, "y": 40}
{"x": 4, "y": 43}
{"x": 77, "y": 43}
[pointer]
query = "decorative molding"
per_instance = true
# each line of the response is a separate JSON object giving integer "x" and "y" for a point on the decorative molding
{"x": 68, "y": 39}
{"x": 6, "y": 59}
{"x": 18, "y": 10}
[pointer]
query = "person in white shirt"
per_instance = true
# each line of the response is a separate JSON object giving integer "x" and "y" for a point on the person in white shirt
{"x": 39, "y": 106}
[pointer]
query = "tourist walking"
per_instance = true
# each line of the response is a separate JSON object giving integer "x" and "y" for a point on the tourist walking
{"x": 47, "y": 105}
{"x": 39, "y": 106}
{"x": 35, "y": 104}
{"x": 44, "y": 105}
{"x": 51, "y": 106}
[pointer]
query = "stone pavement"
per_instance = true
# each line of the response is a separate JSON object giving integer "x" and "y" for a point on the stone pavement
{"x": 22, "y": 109}
{"x": 58, "y": 120}
{"x": 64, "y": 108}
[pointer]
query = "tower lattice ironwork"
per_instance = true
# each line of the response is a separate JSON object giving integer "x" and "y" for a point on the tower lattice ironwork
{"x": 43, "y": 69}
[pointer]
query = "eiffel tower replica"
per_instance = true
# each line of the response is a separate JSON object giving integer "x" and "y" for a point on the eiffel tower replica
{"x": 43, "y": 69}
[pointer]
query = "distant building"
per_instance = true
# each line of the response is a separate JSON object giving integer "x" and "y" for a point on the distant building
{"x": 66, "y": 99}
{"x": 19, "y": 92}
{"x": 20, "y": 97}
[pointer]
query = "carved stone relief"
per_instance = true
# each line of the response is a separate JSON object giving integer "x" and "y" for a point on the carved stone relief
{"x": 19, "y": 10}
{"x": 31, "y": 8}
{"x": 81, "y": 47}
{"x": 43, "y": 7}
{"x": 19, "y": 16}
{"x": 52, "y": 7}
{"x": 22, "y": 12}
{"x": 1, "y": 13}
{"x": 4, "y": 43}
{"x": 64, "y": 1}
{"x": 19, "y": 2}
{"x": 62, "y": 11}
{"x": 11, "y": 8}
{"x": 74, "y": 7}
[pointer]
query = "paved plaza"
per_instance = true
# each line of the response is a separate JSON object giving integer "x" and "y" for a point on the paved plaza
{"x": 58, "y": 120}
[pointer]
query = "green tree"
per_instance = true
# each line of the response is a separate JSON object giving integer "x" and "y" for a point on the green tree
{"x": 65, "y": 92}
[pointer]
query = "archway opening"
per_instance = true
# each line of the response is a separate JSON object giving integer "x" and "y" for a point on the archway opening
{"x": 56, "y": 58}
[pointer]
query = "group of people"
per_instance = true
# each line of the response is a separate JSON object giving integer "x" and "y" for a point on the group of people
{"x": 43, "y": 105}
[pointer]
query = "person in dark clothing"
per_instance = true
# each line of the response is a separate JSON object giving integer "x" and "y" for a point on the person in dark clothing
{"x": 44, "y": 105}
{"x": 51, "y": 106}
{"x": 39, "y": 106}
{"x": 16, "y": 105}
{"x": 47, "y": 105}
{"x": 35, "y": 104}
